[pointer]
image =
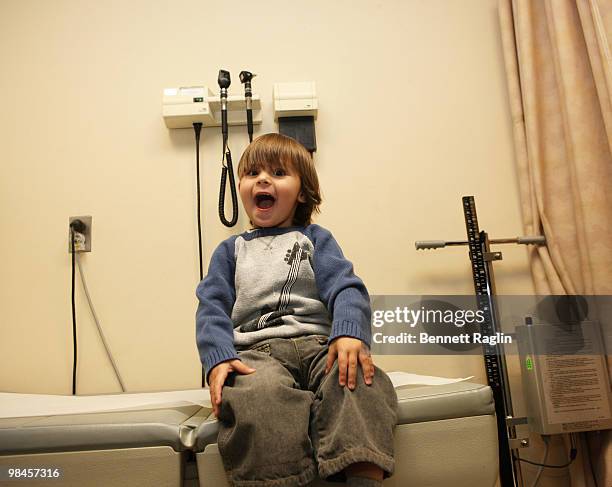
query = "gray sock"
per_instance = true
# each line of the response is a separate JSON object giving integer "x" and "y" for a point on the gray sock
{"x": 362, "y": 482}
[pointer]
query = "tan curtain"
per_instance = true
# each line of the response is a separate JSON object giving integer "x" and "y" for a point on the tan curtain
{"x": 559, "y": 67}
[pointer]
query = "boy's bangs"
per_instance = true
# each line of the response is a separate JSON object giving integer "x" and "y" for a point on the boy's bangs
{"x": 264, "y": 157}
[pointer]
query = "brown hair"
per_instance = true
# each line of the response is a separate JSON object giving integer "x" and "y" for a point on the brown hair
{"x": 277, "y": 149}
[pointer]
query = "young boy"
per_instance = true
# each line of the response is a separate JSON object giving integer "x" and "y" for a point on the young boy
{"x": 283, "y": 331}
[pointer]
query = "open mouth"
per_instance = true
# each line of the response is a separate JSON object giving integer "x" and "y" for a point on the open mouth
{"x": 263, "y": 201}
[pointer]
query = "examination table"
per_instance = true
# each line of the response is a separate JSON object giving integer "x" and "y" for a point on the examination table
{"x": 446, "y": 435}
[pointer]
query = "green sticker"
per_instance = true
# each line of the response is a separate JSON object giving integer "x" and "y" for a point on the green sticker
{"x": 529, "y": 363}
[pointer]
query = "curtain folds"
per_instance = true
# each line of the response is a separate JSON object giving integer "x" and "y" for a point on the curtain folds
{"x": 558, "y": 62}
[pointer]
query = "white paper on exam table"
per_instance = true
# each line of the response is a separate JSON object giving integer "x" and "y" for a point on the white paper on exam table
{"x": 401, "y": 379}
{"x": 14, "y": 405}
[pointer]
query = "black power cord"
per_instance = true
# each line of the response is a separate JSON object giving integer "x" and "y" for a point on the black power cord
{"x": 74, "y": 340}
{"x": 573, "y": 454}
{"x": 572, "y": 457}
{"x": 75, "y": 226}
{"x": 197, "y": 127}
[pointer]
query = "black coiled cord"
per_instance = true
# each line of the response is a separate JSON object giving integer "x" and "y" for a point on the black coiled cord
{"x": 224, "y": 172}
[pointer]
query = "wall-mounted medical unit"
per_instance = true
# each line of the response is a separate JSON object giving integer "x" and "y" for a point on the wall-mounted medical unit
{"x": 186, "y": 105}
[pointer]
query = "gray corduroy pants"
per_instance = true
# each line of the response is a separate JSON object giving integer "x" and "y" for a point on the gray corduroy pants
{"x": 288, "y": 421}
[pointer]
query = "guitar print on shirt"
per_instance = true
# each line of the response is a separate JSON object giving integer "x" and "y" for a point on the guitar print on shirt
{"x": 270, "y": 317}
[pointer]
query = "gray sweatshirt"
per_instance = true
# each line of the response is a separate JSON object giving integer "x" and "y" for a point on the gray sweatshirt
{"x": 278, "y": 282}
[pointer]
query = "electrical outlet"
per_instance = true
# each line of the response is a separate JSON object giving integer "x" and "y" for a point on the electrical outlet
{"x": 83, "y": 239}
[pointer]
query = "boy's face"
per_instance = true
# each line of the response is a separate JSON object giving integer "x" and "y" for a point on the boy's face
{"x": 270, "y": 195}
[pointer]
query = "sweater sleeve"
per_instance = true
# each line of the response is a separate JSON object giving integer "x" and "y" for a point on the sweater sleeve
{"x": 344, "y": 294}
{"x": 216, "y": 295}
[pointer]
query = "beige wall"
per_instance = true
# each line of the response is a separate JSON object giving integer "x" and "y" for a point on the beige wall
{"x": 413, "y": 115}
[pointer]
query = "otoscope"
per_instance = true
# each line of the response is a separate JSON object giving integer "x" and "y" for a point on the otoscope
{"x": 246, "y": 77}
{"x": 224, "y": 83}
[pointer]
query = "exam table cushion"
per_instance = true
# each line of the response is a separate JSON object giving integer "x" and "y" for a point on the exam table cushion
{"x": 448, "y": 401}
{"x": 192, "y": 427}
{"x": 171, "y": 427}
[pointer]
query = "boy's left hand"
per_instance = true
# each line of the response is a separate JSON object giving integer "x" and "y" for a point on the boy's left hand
{"x": 350, "y": 352}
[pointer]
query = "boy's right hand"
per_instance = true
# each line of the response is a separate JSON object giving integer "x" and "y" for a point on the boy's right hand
{"x": 217, "y": 377}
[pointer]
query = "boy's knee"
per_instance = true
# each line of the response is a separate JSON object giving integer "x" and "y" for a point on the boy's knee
{"x": 379, "y": 381}
{"x": 380, "y": 393}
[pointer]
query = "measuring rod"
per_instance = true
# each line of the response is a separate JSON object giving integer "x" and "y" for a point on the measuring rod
{"x": 482, "y": 259}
